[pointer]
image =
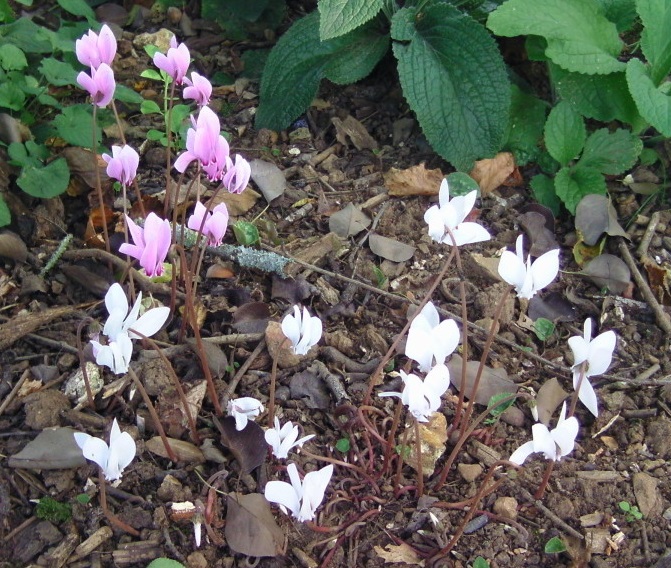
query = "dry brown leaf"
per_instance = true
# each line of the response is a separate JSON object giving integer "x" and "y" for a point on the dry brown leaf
{"x": 493, "y": 381}
{"x": 250, "y": 526}
{"x": 13, "y": 247}
{"x": 549, "y": 397}
{"x": 248, "y": 445}
{"x": 492, "y": 172}
{"x": 659, "y": 278}
{"x": 390, "y": 249}
{"x": 416, "y": 180}
{"x": 185, "y": 451}
{"x": 349, "y": 221}
{"x": 237, "y": 203}
{"x": 402, "y": 553}
{"x": 351, "y": 128}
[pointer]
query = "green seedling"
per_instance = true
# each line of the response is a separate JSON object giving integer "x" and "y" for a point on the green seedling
{"x": 555, "y": 545}
{"x": 544, "y": 328}
{"x": 631, "y": 512}
{"x": 343, "y": 445}
{"x": 53, "y": 511}
{"x": 480, "y": 562}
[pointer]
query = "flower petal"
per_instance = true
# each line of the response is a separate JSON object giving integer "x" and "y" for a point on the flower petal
{"x": 150, "y": 322}
{"x": 283, "y": 494}
{"x": 586, "y": 393}
{"x": 520, "y": 455}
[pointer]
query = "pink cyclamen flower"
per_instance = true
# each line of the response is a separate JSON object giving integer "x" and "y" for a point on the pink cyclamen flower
{"x": 93, "y": 49}
{"x": 176, "y": 62}
{"x": 237, "y": 176}
{"x": 152, "y": 243}
{"x": 215, "y": 224}
{"x": 199, "y": 89}
{"x": 100, "y": 84}
{"x": 122, "y": 164}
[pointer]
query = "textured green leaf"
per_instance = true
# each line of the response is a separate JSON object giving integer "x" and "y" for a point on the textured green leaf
{"x": 11, "y": 96}
{"x": 78, "y": 8}
{"x": 653, "y": 102}
{"x": 249, "y": 10}
{"x": 48, "y": 181}
{"x": 621, "y": 12}
{"x": 564, "y": 133}
{"x": 58, "y": 73}
{"x": 338, "y": 17}
{"x": 656, "y": 36}
{"x": 454, "y": 79}
{"x": 75, "y": 126}
{"x": 525, "y": 125}
{"x": 554, "y": 545}
{"x": 5, "y": 215}
{"x": 543, "y": 188}
{"x": 12, "y": 58}
{"x": 611, "y": 153}
{"x": 579, "y": 36}
{"x": 150, "y": 107}
{"x": 461, "y": 184}
{"x": 572, "y": 184}
{"x": 27, "y": 35}
{"x": 300, "y": 60}
{"x": 602, "y": 97}
{"x": 127, "y": 95}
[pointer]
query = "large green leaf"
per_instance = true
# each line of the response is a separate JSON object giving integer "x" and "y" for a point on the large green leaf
{"x": 601, "y": 97}
{"x": 572, "y": 184}
{"x": 78, "y": 8}
{"x": 611, "y": 153}
{"x": 27, "y": 35}
{"x": 653, "y": 102}
{"x": 564, "y": 133}
{"x": 299, "y": 61}
{"x": 525, "y": 125}
{"x": 621, "y": 12}
{"x": 579, "y": 36}
{"x": 58, "y": 73}
{"x": 48, "y": 181}
{"x": 75, "y": 126}
{"x": 455, "y": 81}
{"x": 12, "y": 58}
{"x": 543, "y": 188}
{"x": 337, "y": 17}
{"x": 656, "y": 36}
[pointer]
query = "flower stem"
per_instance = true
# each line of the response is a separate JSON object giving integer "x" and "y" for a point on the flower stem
{"x": 99, "y": 186}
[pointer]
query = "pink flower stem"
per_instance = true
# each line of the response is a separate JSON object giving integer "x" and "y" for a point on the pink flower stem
{"x": 113, "y": 519}
{"x": 99, "y": 186}
{"x": 544, "y": 482}
{"x": 168, "y": 151}
{"x": 419, "y": 467}
{"x": 136, "y": 187}
{"x": 82, "y": 363}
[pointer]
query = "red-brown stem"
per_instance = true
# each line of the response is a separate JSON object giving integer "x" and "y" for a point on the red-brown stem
{"x": 420, "y": 469}
{"x": 82, "y": 363}
{"x": 154, "y": 415}
{"x": 271, "y": 401}
{"x": 544, "y": 482}
{"x": 136, "y": 187}
{"x": 168, "y": 150}
{"x": 99, "y": 185}
{"x": 113, "y": 519}
{"x": 392, "y": 434}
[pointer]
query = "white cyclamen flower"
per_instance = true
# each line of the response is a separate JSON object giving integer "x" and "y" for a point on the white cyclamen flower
{"x": 113, "y": 459}
{"x": 422, "y": 397}
{"x": 527, "y": 277}
{"x": 553, "y": 444}
{"x": 281, "y": 440}
{"x": 303, "y": 331}
{"x": 302, "y": 499}
{"x": 593, "y": 356}
{"x": 430, "y": 341}
{"x": 451, "y": 214}
{"x": 242, "y": 409}
{"x": 116, "y": 354}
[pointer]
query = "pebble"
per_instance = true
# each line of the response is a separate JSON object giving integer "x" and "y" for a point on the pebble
{"x": 648, "y": 496}
{"x": 160, "y": 39}
{"x": 469, "y": 472}
{"x": 506, "y": 507}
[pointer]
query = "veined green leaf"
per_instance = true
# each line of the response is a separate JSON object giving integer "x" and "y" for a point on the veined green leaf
{"x": 338, "y": 17}
{"x": 58, "y": 73}
{"x": 543, "y": 188}
{"x": 78, "y": 8}
{"x": 579, "y": 36}
{"x": 48, "y": 181}
{"x": 12, "y": 58}
{"x": 656, "y": 36}
{"x": 75, "y": 126}
{"x": 611, "y": 153}
{"x": 525, "y": 125}
{"x": 564, "y": 133}
{"x": 455, "y": 81}
{"x": 621, "y": 12}
{"x": 572, "y": 184}
{"x": 299, "y": 61}
{"x": 653, "y": 102}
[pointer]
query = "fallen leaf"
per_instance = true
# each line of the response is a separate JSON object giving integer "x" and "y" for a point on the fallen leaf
{"x": 269, "y": 179}
{"x": 349, "y": 221}
{"x": 351, "y": 128}
{"x": 81, "y": 164}
{"x": 248, "y": 445}
{"x": 608, "y": 271}
{"x": 659, "y": 278}
{"x": 13, "y": 247}
{"x": 310, "y": 388}
{"x": 490, "y": 173}
{"x": 390, "y": 249}
{"x": 53, "y": 448}
{"x": 185, "y": 451}
{"x": 549, "y": 397}
{"x": 251, "y": 317}
{"x": 236, "y": 203}
{"x": 293, "y": 290}
{"x": 397, "y": 554}
{"x": 594, "y": 216}
{"x": 416, "y": 180}
{"x": 433, "y": 436}
{"x": 583, "y": 253}
{"x": 535, "y": 226}
{"x": 492, "y": 382}
{"x": 553, "y": 306}
{"x": 250, "y": 526}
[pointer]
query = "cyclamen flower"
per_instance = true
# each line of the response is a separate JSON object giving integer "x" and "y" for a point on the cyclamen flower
{"x": 303, "y": 331}
{"x": 590, "y": 357}
{"x": 116, "y": 353}
{"x": 281, "y": 440}
{"x": 100, "y": 84}
{"x": 198, "y": 88}
{"x": 113, "y": 459}
{"x": 451, "y": 214}
{"x": 302, "y": 499}
{"x": 422, "y": 397}
{"x": 237, "y": 176}
{"x": 122, "y": 164}
{"x": 553, "y": 444}
{"x": 176, "y": 62}
{"x": 215, "y": 223}
{"x": 430, "y": 341}
{"x": 151, "y": 243}
{"x": 93, "y": 49}
{"x": 527, "y": 277}
{"x": 242, "y": 409}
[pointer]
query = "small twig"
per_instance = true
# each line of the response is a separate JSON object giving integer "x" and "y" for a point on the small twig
{"x": 643, "y": 246}
{"x": 241, "y": 373}
{"x": 14, "y": 391}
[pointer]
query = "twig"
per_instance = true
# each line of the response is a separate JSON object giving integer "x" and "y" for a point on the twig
{"x": 241, "y": 372}
{"x": 643, "y": 246}
{"x": 12, "y": 394}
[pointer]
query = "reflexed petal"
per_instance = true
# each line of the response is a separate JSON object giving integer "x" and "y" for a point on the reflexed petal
{"x": 468, "y": 233}
{"x": 183, "y": 160}
{"x": 96, "y": 450}
{"x": 434, "y": 219}
{"x": 545, "y": 269}
{"x": 314, "y": 487}
{"x": 512, "y": 269}
{"x": 240, "y": 420}
{"x": 446, "y": 339}
{"x": 565, "y": 434}
{"x": 122, "y": 452}
{"x": 272, "y": 437}
{"x": 601, "y": 353}
{"x": 463, "y": 204}
{"x": 196, "y": 220}
{"x": 580, "y": 349}
{"x": 543, "y": 441}
{"x": 587, "y": 329}
{"x": 291, "y": 327}
{"x": 437, "y": 381}
{"x": 150, "y": 322}
{"x": 586, "y": 394}
{"x": 430, "y": 314}
{"x": 132, "y": 315}
{"x": 520, "y": 455}
{"x": 283, "y": 494}
{"x": 444, "y": 193}
{"x": 418, "y": 348}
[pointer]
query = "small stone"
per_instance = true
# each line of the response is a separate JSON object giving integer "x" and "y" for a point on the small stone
{"x": 43, "y": 409}
{"x": 174, "y": 15}
{"x": 171, "y": 489}
{"x": 648, "y": 496}
{"x": 667, "y": 514}
{"x": 469, "y": 472}
{"x": 658, "y": 435}
{"x": 160, "y": 39}
{"x": 197, "y": 560}
{"x": 506, "y": 507}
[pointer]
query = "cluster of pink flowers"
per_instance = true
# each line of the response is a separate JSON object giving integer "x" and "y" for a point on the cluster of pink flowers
{"x": 97, "y": 52}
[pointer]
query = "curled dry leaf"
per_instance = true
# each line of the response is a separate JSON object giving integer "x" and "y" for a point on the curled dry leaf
{"x": 250, "y": 526}
{"x": 399, "y": 554}
{"x": 594, "y": 216}
{"x": 13, "y": 247}
{"x": 310, "y": 387}
{"x": 490, "y": 173}
{"x": 248, "y": 445}
{"x": 251, "y": 317}
{"x": 536, "y": 228}
{"x": 416, "y": 180}
{"x": 608, "y": 271}
{"x": 554, "y": 307}
{"x": 390, "y": 249}
{"x": 349, "y": 221}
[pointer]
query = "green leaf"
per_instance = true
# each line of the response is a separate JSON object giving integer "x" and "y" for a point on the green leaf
{"x": 544, "y": 328}
{"x": 653, "y": 102}
{"x": 45, "y": 182}
{"x": 246, "y": 233}
{"x": 601, "y": 97}
{"x": 150, "y": 107}
{"x": 58, "y": 73}
{"x": 496, "y": 407}
{"x": 5, "y": 215}
{"x": 151, "y": 74}
{"x": 11, "y": 96}
{"x": 564, "y": 133}
{"x": 461, "y": 184}
{"x": 299, "y": 61}
{"x": 621, "y": 12}
{"x": 12, "y": 58}
{"x": 543, "y": 188}
{"x": 480, "y": 562}
{"x": 579, "y": 36}
{"x": 156, "y": 135}
{"x": 343, "y": 445}
{"x": 6, "y": 13}
{"x": 27, "y": 35}
{"x": 454, "y": 79}
{"x": 127, "y": 95}
{"x": 656, "y": 36}
{"x": 338, "y": 17}
{"x": 525, "y": 125}
{"x": 78, "y": 8}
{"x": 554, "y": 545}
{"x": 75, "y": 126}
{"x": 165, "y": 563}
{"x": 572, "y": 184}
{"x": 611, "y": 153}
{"x": 179, "y": 114}
{"x": 249, "y": 10}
